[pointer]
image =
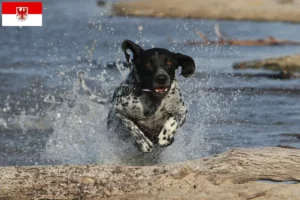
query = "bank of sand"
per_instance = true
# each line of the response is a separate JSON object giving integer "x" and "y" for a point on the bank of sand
{"x": 260, "y": 10}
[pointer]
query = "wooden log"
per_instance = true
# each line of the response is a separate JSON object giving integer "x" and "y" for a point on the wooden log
{"x": 232, "y": 174}
{"x": 269, "y": 41}
{"x": 258, "y": 42}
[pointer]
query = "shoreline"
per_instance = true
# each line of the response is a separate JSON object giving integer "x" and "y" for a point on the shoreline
{"x": 256, "y": 10}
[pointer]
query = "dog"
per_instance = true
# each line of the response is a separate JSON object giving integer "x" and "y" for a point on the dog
{"x": 148, "y": 105}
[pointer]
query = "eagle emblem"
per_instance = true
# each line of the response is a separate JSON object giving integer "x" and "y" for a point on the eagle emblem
{"x": 22, "y": 13}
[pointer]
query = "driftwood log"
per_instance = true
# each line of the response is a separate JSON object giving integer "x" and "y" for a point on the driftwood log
{"x": 224, "y": 40}
{"x": 229, "y": 175}
{"x": 269, "y": 41}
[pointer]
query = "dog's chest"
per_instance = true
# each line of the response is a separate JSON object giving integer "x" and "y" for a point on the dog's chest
{"x": 168, "y": 107}
{"x": 154, "y": 121}
{"x": 149, "y": 114}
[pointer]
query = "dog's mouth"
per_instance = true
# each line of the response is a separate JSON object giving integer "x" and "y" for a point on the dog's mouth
{"x": 158, "y": 91}
{"x": 161, "y": 90}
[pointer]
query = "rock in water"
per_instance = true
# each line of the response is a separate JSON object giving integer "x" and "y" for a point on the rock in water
{"x": 288, "y": 66}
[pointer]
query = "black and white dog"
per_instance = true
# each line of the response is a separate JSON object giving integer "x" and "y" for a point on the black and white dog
{"x": 148, "y": 104}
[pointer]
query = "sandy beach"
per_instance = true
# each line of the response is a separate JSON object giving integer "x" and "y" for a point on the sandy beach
{"x": 258, "y": 10}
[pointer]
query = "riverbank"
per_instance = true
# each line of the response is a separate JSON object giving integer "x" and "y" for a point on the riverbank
{"x": 233, "y": 174}
{"x": 257, "y": 10}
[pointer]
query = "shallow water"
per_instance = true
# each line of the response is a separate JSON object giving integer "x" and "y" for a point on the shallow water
{"x": 46, "y": 119}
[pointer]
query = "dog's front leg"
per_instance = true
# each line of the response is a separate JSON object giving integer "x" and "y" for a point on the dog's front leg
{"x": 143, "y": 142}
{"x": 166, "y": 135}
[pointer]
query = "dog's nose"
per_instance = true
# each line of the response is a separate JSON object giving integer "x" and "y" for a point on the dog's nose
{"x": 161, "y": 78}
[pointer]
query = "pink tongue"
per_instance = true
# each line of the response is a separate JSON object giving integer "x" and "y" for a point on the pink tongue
{"x": 161, "y": 89}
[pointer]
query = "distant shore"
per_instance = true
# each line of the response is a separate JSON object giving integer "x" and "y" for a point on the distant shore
{"x": 256, "y": 10}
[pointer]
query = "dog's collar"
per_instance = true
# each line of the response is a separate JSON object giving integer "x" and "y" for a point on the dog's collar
{"x": 146, "y": 90}
{"x": 137, "y": 90}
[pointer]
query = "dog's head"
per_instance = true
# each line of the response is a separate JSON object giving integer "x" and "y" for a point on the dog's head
{"x": 156, "y": 67}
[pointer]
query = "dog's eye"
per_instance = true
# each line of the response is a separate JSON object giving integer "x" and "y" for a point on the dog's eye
{"x": 148, "y": 65}
{"x": 169, "y": 64}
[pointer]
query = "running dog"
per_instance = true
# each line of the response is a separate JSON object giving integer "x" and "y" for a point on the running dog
{"x": 148, "y": 104}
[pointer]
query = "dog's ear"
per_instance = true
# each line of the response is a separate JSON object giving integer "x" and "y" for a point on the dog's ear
{"x": 134, "y": 48}
{"x": 187, "y": 64}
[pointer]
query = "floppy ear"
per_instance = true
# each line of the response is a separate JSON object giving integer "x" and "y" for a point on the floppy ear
{"x": 134, "y": 48}
{"x": 187, "y": 64}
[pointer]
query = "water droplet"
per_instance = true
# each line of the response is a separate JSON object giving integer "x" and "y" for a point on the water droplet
{"x": 140, "y": 27}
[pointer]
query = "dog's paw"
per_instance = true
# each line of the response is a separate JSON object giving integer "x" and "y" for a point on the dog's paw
{"x": 166, "y": 141}
{"x": 166, "y": 135}
{"x": 145, "y": 145}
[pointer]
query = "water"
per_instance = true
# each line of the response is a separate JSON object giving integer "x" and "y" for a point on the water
{"x": 46, "y": 119}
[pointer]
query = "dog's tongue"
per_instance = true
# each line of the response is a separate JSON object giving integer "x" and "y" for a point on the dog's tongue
{"x": 158, "y": 90}
{"x": 161, "y": 90}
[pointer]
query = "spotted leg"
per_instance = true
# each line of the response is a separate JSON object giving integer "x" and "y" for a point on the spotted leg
{"x": 166, "y": 135}
{"x": 143, "y": 142}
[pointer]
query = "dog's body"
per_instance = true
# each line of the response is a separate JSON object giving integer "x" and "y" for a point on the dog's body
{"x": 149, "y": 120}
{"x": 148, "y": 104}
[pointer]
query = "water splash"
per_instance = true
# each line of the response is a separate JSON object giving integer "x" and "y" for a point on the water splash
{"x": 80, "y": 134}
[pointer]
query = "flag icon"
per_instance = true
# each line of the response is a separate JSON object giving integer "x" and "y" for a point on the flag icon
{"x": 22, "y": 14}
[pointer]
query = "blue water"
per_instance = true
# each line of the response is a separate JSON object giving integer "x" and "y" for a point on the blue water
{"x": 226, "y": 110}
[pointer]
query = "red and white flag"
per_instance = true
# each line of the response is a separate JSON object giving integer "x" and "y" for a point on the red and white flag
{"x": 22, "y": 14}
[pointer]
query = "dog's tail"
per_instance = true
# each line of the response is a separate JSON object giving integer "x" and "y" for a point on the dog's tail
{"x": 92, "y": 96}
